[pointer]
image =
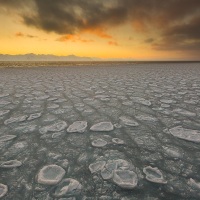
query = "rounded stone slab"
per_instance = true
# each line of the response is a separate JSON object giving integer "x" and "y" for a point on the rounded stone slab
{"x": 7, "y": 138}
{"x": 50, "y": 175}
{"x": 11, "y": 164}
{"x": 194, "y": 184}
{"x": 55, "y": 127}
{"x": 15, "y": 119}
{"x": 58, "y": 126}
{"x": 186, "y": 134}
{"x": 147, "y": 118}
{"x": 154, "y": 175}
{"x": 127, "y": 121}
{"x": 97, "y": 166}
{"x": 3, "y": 112}
{"x": 172, "y": 152}
{"x": 125, "y": 179}
{"x": 67, "y": 188}
{"x": 107, "y": 171}
{"x": 34, "y": 116}
{"x": 102, "y": 126}
{"x": 141, "y": 100}
{"x": 3, "y": 190}
{"x": 99, "y": 143}
{"x": 77, "y": 127}
{"x": 117, "y": 141}
{"x": 184, "y": 112}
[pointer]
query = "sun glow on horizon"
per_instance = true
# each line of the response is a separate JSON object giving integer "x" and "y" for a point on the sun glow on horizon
{"x": 136, "y": 37}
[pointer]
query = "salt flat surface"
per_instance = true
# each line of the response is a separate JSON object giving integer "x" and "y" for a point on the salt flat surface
{"x": 121, "y": 131}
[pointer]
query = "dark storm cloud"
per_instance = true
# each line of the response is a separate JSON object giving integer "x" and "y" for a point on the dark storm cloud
{"x": 175, "y": 19}
{"x": 187, "y": 30}
{"x": 185, "y": 36}
{"x": 12, "y": 3}
{"x": 71, "y": 16}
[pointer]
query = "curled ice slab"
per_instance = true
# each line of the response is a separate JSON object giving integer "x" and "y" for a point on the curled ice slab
{"x": 186, "y": 134}
{"x": 141, "y": 100}
{"x": 59, "y": 126}
{"x": 15, "y": 119}
{"x": 99, "y": 143}
{"x": 77, "y": 127}
{"x": 125, "y": 179}
{"x": 3, "y": 112}
{"x": 147, "y": 118}
{"x": 172, "y": 152}
{"x": 154, "y": 175}
{"x": 56, "y": 127}
{"x": 107, "y": 171}
{"x": 194, "y": 183}
{"x": 67, "y": 188}
{"x": 7, "y": 138}
{"x": 184, "y": 112}
{"x": 50, "y": 175}
{"x": 11, "y": 164}
{"x": 3, "y": 190}
{"x": 34, "y": 116}
{"x": 97, "y": 166}
{"x": 102, "y": 126}
{"x": 127, "y": 121}
{"x": 117, "y": 141}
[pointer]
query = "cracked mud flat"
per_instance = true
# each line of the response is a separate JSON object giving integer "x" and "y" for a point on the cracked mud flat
{"x": 119, "y": 131}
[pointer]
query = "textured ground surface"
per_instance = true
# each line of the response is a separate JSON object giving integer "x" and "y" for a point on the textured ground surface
{"x": 154, "y": 110}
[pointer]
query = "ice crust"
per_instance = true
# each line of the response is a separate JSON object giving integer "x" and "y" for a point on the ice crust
{"x": 132, "y": 117}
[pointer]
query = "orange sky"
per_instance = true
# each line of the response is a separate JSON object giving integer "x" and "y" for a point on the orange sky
{"x": 105, "y": 29}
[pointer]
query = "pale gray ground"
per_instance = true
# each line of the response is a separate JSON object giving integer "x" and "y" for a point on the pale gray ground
{"x": 149, "y": 147}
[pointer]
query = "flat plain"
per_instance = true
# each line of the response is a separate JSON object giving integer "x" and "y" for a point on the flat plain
{"x": 121, "y": 131}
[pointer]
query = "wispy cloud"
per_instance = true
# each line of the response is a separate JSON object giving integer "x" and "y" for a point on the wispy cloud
{"x": 20, "y": 34}
{"x": 72, "y": 38}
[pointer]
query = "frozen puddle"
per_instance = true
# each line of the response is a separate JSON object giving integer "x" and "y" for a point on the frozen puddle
{"x": 105, "y": 130}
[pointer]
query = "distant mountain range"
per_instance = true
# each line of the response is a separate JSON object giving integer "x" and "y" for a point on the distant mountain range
{"x": 42, "y": 57}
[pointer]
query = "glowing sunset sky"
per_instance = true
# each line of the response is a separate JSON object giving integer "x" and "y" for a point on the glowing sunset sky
{"x": 139, "y": 29}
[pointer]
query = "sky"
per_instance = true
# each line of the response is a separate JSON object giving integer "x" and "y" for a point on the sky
{"x": 136, "y": 29}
